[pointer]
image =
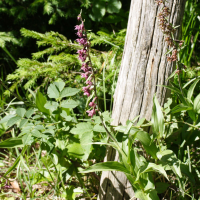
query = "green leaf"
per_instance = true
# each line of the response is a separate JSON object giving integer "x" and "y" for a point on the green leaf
{"x": 82, "y": 128}
{"x": 16, "y": 162}
{"x": 60, "y": 85}
{"x": 27, "y": 139}
{"x": 21, "y": 112}
{"x": 151, "y": 195}
{"x": 23, "y": 123}
{"x": 191, "y": 89}
{"x": 157, "y": 119}
{"x": 65, "y": 116}
{"x": 176, "y": 90}
{"x": 13, "y": 121}
{"x": 85, "y": 141}
{"x": 51, "y": 105}
{"x": 161, "y": 187}
{"x": 11, "y": 143}
{"x": 29, "y": 112}
{"x": 169, "y": 158}
{"x": 68, "y": 92}
{"x": 114, "y": 6}
{"x": 154, "y": 167}
{"x": 106, "y": 166}
{"x": 149, "y": 146}
{"x": 36, "y": 133}
{"x": 197, "y": 104}
{"x": 6, "y": 118}
{"x": 53, "y": 91}
{"x": 99, "y": 128}
{"x": 69, "y": 103}
{"x": 179, "y": 108}
{"x": 75, "y": 150}
{"x": 40, "y": 102}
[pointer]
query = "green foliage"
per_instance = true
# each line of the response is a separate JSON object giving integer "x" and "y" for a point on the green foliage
{"x": 52, "y": 124}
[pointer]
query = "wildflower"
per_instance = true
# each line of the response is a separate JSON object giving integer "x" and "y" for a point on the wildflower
{"x": 91, "y": 112}
{"x": 82, "y": 54}
{"x": 86, "y": 91}
{"x": 82, "y": 41}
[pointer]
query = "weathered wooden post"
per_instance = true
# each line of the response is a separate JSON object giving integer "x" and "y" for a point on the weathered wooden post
{"x": 144, "y": 66}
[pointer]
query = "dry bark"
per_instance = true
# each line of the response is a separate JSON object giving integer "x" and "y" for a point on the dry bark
{"x": 144, "y": 66}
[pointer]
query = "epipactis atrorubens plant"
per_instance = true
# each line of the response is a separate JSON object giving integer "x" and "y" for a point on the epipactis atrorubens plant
{"x": 87, "y": 68}
{"x": 168, "y": 30}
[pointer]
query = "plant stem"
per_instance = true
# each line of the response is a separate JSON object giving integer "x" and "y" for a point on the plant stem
{"x": 9, "y": 54}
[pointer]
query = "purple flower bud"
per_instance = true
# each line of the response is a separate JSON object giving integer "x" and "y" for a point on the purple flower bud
{"x": 84, "y": 75}
{"x": 86, "y": 91}
{"x": 92, "y": 104}
{"x": 82, "y": 54}
{"x": 79, "y": 17}
{"x": 82, "y": 41}
{"x": 91, "y": 112}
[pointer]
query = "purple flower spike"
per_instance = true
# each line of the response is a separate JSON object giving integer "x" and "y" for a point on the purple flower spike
{"x": 86, "y": 66}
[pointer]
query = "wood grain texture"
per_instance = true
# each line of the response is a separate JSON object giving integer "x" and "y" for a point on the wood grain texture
{"x": 144, "y": 66}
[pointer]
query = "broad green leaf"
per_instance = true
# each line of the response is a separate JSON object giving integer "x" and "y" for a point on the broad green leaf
{"x": 85, "y": 141}
{"x": 75, "y": 150}
{"x": 23, "y": 123}
{"x": 40, "y": 102}
{"x": 99, "y": 128}
{"x": 146, "y": 181}
{"x": 65, "y": 116}
{"x": 69, "y": 103}
{"x": 197, "y": 104}
{"x": 149, "y": 146}
{"x": 21, "y": 112}
{"x": 161, "y": 187}
{"x": 191, "y": 89}
{"x": 13, "y": 121}
{"x": 68, "y": 92}
{"x": 11, "y": 143}
{"x": 51, "y": 105}
{"x": 82, "y": 128}
{"x": 154, "y": 167}
{"x": 36, "y": 133}
{"x": 60, "y": 85}
{"x": 169, "y": 158}
{"x": 180, "y": 107}
{"x": 106, "y": 166}
{"x": 53, "y": 91}
{"x": 114, "y": 6}
{"x": 151, "y": 195}
{"x": 61, "y": 144}
{"x": 27, "y": 139}
{"x": 6, "y": 118}
{"x": 29, "y": 112}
